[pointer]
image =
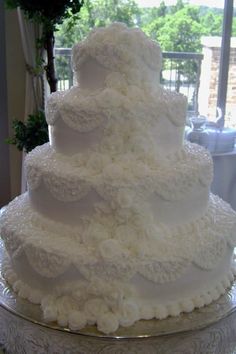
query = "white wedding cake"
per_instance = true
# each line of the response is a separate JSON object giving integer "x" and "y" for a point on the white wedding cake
{"x": 118, "y": 223}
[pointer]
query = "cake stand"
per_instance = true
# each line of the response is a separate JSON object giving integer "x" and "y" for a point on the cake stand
{"x": 209, "y": 330}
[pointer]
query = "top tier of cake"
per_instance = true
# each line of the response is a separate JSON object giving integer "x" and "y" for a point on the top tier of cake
{"x": 118, "y": 96}
{"x": 117, "y": 52}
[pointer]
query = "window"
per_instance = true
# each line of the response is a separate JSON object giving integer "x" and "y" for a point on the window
{"x": 190, "y": 37}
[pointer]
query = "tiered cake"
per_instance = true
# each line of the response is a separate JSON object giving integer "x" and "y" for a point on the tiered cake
{"x": 118, "y": 223}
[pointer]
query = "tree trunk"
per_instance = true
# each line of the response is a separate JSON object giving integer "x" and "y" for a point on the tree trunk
{"x": 50, "y": 67}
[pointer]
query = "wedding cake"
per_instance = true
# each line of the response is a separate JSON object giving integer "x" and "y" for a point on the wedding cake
{"x": 118, "y": 223}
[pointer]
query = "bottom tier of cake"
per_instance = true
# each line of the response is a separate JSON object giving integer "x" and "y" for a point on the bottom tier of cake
{"x": 115, "y": 281}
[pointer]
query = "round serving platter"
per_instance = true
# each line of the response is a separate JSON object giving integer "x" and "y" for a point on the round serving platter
{"x": 23, "y": 330}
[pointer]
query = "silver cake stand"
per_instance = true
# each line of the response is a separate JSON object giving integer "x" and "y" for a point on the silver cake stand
{"x": 209, "y": 330}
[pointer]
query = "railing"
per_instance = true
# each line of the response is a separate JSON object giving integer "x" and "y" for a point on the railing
{"x": 63, "y": 68}
{"x": 181, "y": 73}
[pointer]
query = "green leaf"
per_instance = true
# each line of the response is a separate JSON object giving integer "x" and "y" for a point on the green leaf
{"x": 30, "y": 134}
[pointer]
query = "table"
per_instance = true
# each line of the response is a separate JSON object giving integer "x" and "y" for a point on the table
{"x": 224, "y": 181}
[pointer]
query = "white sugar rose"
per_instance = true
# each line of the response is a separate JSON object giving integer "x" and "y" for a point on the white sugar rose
{"x": 114, "y": 297}
{"x": 64, "y": 304}
{"x": 126, "y": 234}
{"x": 110, "y": 98}
{"x": 96, "y": 232}
{"x": 107, "y": 323}
{"x": 125, "y": 198}
{"x": 117, "y": 81}
{"x": 35, "y": 296}
{"x": 135, "y": 93}
{"x": 94, "y": 308}
{"x": 147, "y": 312}
{"x": 96, "y": 162}
{"x": 48, "y": 300}
{"x": 129, "y": 313}
{"x": 62, "y": 320}
{"x": 10, "y": 275}
{"x": 77, "y": 320}
{"x": 187, "y": 305}
{"x": 113, "y": 171}
{"x": 161, "y": 312}
{"x": 24, "y": 291}
{"x": 110, "y": 249}
{"x": 50, "y": 313}
{"x": 173, "y": 309}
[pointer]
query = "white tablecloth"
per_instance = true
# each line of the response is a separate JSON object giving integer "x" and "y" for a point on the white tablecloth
{"x": 224, "y": 182}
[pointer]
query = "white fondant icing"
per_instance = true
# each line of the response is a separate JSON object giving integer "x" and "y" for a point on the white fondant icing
{"x": 111, "y": 174}
{"x": 125, "y": 51}
{"x": 160, "y": 254}
{"x": 97, "y": 307}
{"x": 121, "y": 123}
{"x": 69, "y": 141}
{"x": 118, "y": 224}
{"x": 118, "y": 90}
{"x": 108, "y": 110}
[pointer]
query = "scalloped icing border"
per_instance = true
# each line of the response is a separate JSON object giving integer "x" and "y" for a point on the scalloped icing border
{"x": 97, "y": 311}
{"x": 63, "y": 179}
{"x": 52, "y": 252}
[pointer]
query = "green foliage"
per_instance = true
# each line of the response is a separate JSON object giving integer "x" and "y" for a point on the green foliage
{"x": 181, "y": 31}
{"x": 178, "y": 6}
{"x": 96, "y": 13}
{"x": 177, "y": 28}
{"x": 212, "y": 24}
{"x": 48, "y": 13}
{"x": 234, "y": 27}
{"x": 30, "y": 134}
{"x": 162, "y": 9}
{"x": 152, "y": 28}
{"x": 180, "y": 27}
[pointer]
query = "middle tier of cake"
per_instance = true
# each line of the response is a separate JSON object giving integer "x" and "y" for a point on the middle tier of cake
{"x": 171, "y": 189}
{"x": 122, "y": 118}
